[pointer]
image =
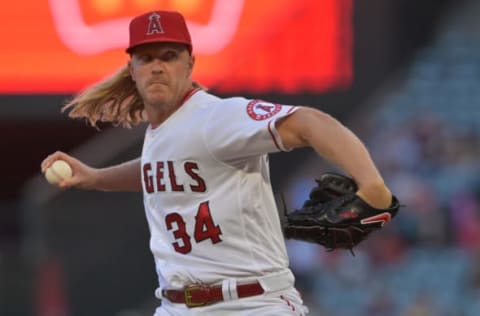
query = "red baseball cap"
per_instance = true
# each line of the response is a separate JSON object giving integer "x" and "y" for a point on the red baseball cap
{"x": 159, "y": 26}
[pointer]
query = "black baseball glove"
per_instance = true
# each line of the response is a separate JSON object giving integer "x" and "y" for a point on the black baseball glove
{"x": 334, "y": 216}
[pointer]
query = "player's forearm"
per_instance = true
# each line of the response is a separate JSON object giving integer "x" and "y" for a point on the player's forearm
{"x": 337, "y": 144}
{"x": 123, "y": 177}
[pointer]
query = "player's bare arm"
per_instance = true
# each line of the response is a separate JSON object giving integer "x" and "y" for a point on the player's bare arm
{"x": 337, "y": 144}
{"x": 122, "y": 177}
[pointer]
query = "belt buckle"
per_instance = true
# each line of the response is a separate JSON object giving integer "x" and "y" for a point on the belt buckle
{"x": 188, "y": 296}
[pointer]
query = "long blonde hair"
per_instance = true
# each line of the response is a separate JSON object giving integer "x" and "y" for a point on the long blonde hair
{"x": 114, "y": 99}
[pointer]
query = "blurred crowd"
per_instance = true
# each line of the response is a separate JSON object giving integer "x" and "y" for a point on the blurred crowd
{"x": 424, "y": 135}
{"x": 426, "y": 261}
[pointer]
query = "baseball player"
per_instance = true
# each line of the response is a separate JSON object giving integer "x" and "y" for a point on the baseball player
{"x": 215, "y": 231}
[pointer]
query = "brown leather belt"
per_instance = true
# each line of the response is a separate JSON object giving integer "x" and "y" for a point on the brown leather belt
{"x": 201, "y": 295}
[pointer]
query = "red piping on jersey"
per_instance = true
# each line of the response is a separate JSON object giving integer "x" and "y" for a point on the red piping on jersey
{"x": 188, "y": 95}
{"x": 273, "y": 136}
{"x": 291, "y": 109}
{"x": 271, "y": 132}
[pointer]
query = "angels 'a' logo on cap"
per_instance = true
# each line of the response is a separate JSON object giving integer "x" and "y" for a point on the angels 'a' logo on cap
{"x": 154, "y": 25}
{"x": 259, "y": 110}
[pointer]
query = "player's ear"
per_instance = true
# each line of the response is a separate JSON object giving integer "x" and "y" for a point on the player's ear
{"x": 191, "y": 63}
{"x": 130, "y": 69}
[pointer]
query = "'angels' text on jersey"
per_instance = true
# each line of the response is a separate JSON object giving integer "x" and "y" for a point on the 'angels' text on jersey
{"x": 167, "y": 176}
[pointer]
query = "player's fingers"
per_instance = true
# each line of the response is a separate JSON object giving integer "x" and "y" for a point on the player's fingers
{"x": 68, "y": 183}
{"x": 47, "y": 162}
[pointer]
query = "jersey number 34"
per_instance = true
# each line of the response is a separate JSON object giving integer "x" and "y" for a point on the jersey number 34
{"x": 205, "y": 228}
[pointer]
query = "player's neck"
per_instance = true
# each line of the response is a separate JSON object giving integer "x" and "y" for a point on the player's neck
{"x": 157, "y": 115}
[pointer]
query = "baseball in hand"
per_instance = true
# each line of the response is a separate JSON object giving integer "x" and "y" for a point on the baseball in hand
{"x": 58, "y": 171}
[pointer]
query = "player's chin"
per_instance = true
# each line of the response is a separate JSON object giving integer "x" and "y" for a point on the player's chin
{"x": 156, "y": 96}
{"x": 156, "y": 87}
{"x": 161, "y": 103}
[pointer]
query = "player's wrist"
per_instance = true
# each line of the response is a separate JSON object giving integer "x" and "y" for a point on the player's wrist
{"x": 98, "y": 180}
{"x": 376, "y": 194}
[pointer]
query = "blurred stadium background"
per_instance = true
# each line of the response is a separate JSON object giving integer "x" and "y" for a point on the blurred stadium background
{"x": 403, "y": 74}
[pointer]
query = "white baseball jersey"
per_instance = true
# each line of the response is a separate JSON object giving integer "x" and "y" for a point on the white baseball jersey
{"x": 207, "y": 192}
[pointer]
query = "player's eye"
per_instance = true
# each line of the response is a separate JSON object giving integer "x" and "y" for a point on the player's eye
{"x": 170, "y": 55}
{"x": 145, "y": 58}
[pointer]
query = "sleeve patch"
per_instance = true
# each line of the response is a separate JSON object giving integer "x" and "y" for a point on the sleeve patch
{"x": 260, "y": 110}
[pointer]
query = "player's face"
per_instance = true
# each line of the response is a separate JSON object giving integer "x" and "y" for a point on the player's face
{"x": 161, "y": 72}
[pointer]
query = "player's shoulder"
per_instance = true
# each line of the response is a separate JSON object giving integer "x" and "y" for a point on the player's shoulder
{"x": 256, "y": 108}
{"x": 209, "y": 99}
{"x": 234, "y": 101}
{"x": 205, "y": 98}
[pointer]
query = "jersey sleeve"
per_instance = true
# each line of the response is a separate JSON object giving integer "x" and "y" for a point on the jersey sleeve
{"x": 239, "y": 128}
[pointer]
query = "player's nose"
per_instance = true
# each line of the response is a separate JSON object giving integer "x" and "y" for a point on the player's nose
{"x": 157, "y": 65}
